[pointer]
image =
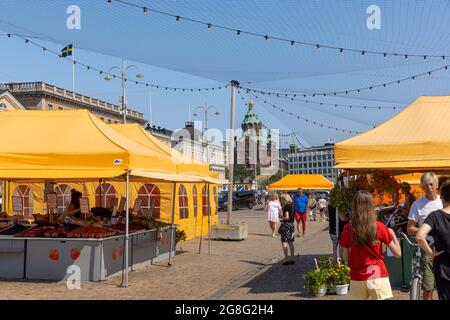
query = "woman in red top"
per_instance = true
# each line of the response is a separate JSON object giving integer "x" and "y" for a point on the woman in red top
{"x": 362, "y": 241}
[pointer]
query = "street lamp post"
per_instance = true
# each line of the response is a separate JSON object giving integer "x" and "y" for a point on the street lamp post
{"x": 124, "y": 79}
{"x": 205, "y": 109}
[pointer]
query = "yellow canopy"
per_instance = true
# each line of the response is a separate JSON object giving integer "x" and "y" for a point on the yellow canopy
{"x": 70, "y": 144}
{"x": 185, "y": 165}
{"x": 304, "y": 181}
{"x": 416, "y": 139}
{"x": 411, "y": 178}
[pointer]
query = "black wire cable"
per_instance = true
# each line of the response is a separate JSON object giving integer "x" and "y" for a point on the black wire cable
{"x": 291, "y": 42}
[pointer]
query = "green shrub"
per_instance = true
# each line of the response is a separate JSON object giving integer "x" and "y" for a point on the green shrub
{"x": 315, "y": 279}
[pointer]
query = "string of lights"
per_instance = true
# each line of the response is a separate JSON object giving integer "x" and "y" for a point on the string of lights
{"x": 279, "y": 94}
{"x": 350, "y": 106}
{"x": 291, "y": 42}
{"x": 102, "y": 72}
{"x": 336, "y": 105}
{"x": 315, "y": 123}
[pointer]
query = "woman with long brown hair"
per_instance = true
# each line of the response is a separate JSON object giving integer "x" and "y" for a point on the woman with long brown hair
{"x": 362, "y": 240}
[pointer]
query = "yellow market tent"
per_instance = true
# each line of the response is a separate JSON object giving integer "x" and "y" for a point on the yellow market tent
{"x": 70, "y": 144}
{"x": 185, "y": 165}
{"x": 304, "y": 181}
{"x": 415, "y": 140}
{"x": 76, "y": 145}
{"x": 411, "y": 178}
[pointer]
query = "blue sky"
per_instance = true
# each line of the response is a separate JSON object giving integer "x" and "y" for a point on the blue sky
{"x": 180, "y": 53}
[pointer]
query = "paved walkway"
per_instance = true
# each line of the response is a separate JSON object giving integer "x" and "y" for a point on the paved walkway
{"x": 249, "y": 269}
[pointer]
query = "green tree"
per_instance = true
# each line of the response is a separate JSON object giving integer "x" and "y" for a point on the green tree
{"x": 240, "y": 173}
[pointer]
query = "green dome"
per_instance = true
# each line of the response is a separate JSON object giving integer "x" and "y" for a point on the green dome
{"x": 251, "y": 117}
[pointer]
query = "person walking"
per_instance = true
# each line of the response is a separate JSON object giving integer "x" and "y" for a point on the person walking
{"x": 322, "y": 207}
{"x": 362, "y": 241}
{"x": 419, "y": 211}
{"x": 301, "y": 205}
{"x": 312, "y": 205}
{"x": 437, "y": 224}
{"x": 287, "y": 229}
{"x": 274, "y": 211}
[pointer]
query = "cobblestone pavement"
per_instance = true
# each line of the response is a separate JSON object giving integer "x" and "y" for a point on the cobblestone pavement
{"x": 249, "y": 269}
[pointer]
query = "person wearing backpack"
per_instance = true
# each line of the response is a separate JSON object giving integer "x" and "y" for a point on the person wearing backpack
{"x": 287, "y": 229}
{"x": 362, "y": 241}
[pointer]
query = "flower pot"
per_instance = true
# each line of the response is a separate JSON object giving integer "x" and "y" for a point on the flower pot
{"x": 342, "y": 289}
{"x": 321, "y": 291}
{"x": 331, "y": 290}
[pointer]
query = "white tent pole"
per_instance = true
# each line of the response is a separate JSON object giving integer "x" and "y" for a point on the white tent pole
{"x": 173, "y": 222}
{"x": 209, "y": 222}
{"x": 125, "y": 282}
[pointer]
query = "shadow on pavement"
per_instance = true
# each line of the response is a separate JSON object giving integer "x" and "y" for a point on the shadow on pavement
{"x": 261, "y": 234}
{"x": 281, "y": 278}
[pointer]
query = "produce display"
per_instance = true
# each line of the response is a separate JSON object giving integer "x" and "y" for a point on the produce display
{"x": 148, "y": 222}
{"x": 32, "y": 232}
{"x": 91, "y": 232}
{"x": 131, "y": 227}
{"x": 13, "y": 230}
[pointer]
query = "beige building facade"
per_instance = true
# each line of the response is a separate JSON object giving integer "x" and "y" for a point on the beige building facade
{"x": 44, "y": 96}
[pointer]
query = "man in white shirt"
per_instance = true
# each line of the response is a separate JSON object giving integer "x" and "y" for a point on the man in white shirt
{"x": 419, "y": 211}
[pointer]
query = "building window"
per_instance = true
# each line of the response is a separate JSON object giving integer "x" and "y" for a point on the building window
{"x": 309, "y": 158}
{"x": 26, "y": 195}
{"x": 329, "y": 156}
{"x": 319, "y": 157}
{"x": 205, "y": 201}
{"x": 329, "y": 164}
{"x": 151, "y": 200}
{"x": 63, "y": 197}
{"x": 104, "y": 194}
{"x": 50, "y": 107}
{"x": 304, "y": 159}
{"x": 194, "y": 196}
{"x": 300, "y": 165}
{"x": 183, "y": 202}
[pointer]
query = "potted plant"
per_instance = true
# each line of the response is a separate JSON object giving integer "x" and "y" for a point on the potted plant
{"x": 316, "y": 282}
{"x": 341, "y": 275}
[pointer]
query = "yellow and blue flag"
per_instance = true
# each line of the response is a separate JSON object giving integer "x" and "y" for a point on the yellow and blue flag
{"x": 67, "y": 51}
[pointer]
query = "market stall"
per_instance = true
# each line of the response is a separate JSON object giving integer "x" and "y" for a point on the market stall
{"x": 414, "y": 141}
{"x": 304, "y": 181}
{"x": 75, "y": 146}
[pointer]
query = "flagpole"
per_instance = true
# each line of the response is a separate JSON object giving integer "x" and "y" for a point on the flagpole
{"x": 73, "y": 68}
